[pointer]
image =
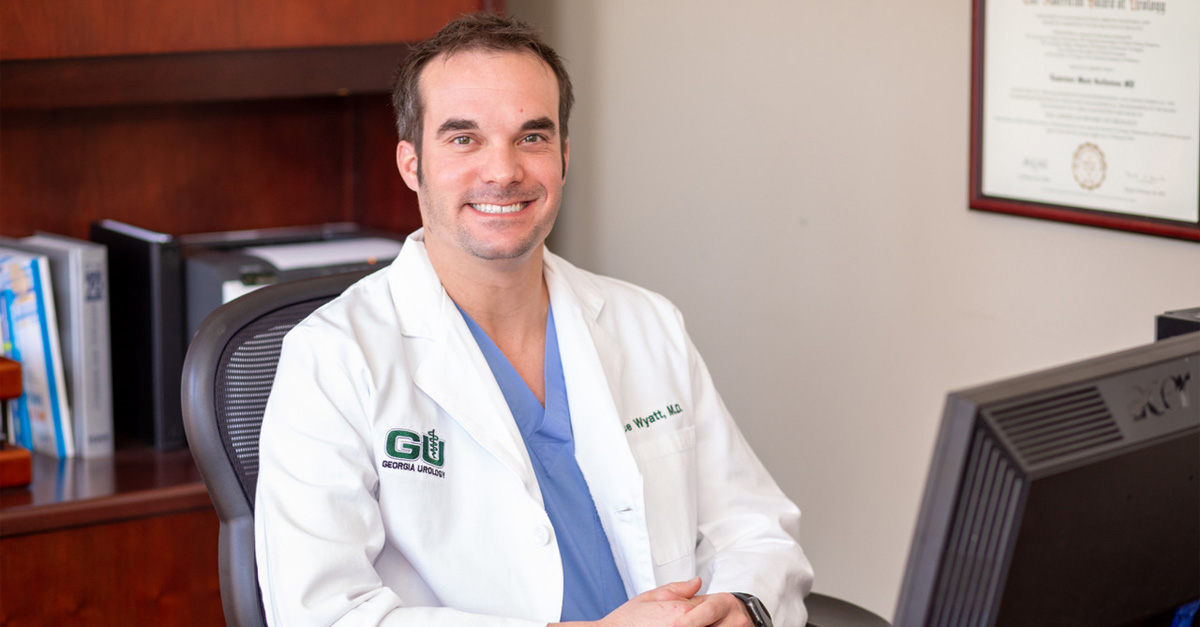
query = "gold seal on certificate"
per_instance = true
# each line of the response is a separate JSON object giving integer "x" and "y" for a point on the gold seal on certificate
{"x": 1088, "y": 166}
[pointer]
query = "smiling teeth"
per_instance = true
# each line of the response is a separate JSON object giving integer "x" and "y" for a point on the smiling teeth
{"x": 499, "y": 208}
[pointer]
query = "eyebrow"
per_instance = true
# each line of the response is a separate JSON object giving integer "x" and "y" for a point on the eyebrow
{"x": 457, "y": 124}
{"x": 539, "y": 124}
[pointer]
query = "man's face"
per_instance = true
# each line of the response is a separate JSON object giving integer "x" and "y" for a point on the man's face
{"x": 492, "y": 165}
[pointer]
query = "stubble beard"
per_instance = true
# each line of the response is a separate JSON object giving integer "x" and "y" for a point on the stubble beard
{"x": 477, "y": 245}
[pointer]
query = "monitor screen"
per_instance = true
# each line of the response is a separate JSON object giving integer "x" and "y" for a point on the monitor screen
{"x": 1065, "y": 497}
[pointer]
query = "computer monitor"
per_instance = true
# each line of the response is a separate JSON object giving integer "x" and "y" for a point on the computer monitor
{"x": 1065, "y": 497}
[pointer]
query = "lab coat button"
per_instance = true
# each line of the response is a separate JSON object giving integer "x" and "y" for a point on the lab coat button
{"x": 542, "y": 535}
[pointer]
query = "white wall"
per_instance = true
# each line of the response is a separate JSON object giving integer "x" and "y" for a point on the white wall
{"x": 793, "y": 174}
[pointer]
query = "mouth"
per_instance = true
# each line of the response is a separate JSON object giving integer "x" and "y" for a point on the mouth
{"x": 499, "y": 209}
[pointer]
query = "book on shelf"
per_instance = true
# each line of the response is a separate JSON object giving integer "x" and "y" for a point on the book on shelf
{"x": 29, "y": 329}
{"x": 79, "y": 272}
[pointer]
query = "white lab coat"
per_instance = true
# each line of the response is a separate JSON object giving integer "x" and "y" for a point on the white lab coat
{"x": 348, "y": 534}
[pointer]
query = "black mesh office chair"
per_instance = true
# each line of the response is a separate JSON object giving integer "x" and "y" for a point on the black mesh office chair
{"x": 227, "y": 377}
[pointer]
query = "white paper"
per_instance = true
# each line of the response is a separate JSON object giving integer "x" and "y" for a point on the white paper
{"x": 327, "y": 253}
{"x": 1094, "y": 104}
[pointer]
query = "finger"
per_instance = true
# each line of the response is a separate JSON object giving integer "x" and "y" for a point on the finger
{"x": 719, "y": 610}
{"x": 703, "y": 615}
{"x": 674, "y": 591}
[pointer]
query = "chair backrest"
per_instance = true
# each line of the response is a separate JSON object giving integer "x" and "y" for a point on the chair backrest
{"x": 227, "y": 378}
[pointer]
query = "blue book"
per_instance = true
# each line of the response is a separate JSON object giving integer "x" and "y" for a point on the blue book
{"x": 41, "y": 417}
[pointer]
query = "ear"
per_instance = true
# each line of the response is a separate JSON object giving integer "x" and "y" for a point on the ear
{"x": 406, "y": 162}
{"x": 566, "y": 148}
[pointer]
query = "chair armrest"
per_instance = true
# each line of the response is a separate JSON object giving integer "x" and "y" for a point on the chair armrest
{"x": 826, "y": 611}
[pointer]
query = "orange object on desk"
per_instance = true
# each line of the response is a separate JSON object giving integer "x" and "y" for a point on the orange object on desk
{"x": 10, "y": 379}
{"x": 16, "y": 464}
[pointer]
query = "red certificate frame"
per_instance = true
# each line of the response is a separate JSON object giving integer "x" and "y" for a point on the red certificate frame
{"x": 1180, "y": 229}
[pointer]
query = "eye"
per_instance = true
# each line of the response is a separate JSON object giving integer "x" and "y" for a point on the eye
{"x": 533, "y": 138}
{"x": 461, "y": 140}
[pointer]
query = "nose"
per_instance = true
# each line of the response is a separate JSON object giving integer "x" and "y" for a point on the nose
{"x": 502, "y": 166}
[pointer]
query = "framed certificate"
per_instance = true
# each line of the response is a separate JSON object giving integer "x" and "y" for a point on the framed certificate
{"x": 1088, "y": 111}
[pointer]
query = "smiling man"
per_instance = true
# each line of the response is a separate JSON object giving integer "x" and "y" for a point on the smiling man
{"x": 484, "y": 434}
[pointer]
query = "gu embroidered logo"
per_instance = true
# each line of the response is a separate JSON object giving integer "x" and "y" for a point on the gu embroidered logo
{"x": 411, "y": 449}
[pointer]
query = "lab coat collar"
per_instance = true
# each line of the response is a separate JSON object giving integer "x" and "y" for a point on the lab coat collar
{"x": 420, "y": 300}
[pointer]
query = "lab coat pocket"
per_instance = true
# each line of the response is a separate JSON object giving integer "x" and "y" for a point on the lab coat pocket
{"x": 667, "y": 461}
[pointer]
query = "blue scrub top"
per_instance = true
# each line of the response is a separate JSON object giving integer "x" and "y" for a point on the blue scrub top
{"x": 591, "y": 583}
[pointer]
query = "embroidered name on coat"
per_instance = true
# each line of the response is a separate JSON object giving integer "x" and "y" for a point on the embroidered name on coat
{"x": 643, "y": 422}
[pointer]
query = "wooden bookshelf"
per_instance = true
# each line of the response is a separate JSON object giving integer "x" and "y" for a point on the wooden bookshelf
{"x": 196, "y": 117}
{"x": 127, "y": 539}
{"x": 179, "y": 117}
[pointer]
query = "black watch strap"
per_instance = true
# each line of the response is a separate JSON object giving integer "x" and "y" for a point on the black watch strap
{"x": 758, "y": 613}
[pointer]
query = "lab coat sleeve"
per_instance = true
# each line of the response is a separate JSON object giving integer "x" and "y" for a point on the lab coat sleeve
{"x": 748, "y": 528}
{"x": 317, "y": 519}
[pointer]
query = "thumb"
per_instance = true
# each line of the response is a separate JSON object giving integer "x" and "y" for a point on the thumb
{"x": 675, "y": 591}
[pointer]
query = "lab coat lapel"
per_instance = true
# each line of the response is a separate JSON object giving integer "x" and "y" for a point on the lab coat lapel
{"x": 592, "y": 364}
{"x": 456, "y": 376}
{"x": 454, "y": 372}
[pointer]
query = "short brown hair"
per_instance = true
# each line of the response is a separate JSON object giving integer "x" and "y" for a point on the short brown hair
{"x": 475, "y": 31}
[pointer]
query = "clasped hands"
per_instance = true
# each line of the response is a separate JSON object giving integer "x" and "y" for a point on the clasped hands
{"x": 675, "y": 605}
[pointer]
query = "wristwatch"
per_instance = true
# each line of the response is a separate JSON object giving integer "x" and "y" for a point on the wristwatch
{"x": 758, "y": 613}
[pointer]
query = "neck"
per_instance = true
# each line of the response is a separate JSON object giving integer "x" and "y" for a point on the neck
{"x": 507, "y": 298}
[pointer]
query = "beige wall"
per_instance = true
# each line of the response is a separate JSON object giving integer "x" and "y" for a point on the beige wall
{"x": 793, "y": 174}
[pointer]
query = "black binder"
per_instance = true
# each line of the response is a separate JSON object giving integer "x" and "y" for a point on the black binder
{"x": 146, "y": 315}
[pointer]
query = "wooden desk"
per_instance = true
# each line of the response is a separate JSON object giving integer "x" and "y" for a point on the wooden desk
{"x": 126, "y": 540}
